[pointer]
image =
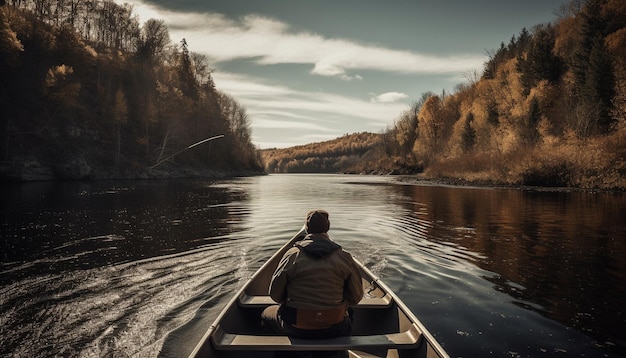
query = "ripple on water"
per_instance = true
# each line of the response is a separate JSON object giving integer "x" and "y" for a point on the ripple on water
{"x": 120, "y": 308}
{"x": 99, "y": 269}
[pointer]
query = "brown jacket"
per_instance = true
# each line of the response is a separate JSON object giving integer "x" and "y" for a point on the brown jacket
{"x": 316, "y": 274}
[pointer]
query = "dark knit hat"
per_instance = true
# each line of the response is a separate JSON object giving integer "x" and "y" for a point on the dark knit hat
{"x": 317, "y": 222}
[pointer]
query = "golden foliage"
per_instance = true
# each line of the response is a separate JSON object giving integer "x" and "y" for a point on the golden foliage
{"x": 504, "y": 129}
{"x": 533, "y": 137}
{"x": 10, "y": 45}
{"x": 354, "y": 153}
{"x": 567, "y": 31}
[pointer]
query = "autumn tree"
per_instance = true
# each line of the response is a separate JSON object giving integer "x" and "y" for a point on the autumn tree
{"x": 406, "y": 132}
{"x": 152, "y": 41}
{"x": 430, "y": 127}
{"x": 10, "y": 45}
{"x": 149, "y": 53}
{"x": 238, "y": 127}
{"x": 400, "y": 139}
{"x": 202, "y": 71}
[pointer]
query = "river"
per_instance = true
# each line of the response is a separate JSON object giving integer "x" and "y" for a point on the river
{"x": 141, "y": 268}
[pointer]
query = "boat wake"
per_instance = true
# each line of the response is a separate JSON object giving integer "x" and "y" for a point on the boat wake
{"x": 128, "y": 307}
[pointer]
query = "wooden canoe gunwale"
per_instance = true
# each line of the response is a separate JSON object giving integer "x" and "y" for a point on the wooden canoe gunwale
{"x": 409, "y": 335}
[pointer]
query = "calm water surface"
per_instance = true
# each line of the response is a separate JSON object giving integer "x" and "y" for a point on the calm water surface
{"x": 141, "y": 268}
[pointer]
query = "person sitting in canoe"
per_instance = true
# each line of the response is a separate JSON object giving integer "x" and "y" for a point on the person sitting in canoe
{"x": 315, "y": 284}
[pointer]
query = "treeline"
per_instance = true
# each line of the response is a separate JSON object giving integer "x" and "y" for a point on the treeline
{"x": 84, "y": 87}
{"x": 353, "y": 153}
{"x": 549, "y": 109}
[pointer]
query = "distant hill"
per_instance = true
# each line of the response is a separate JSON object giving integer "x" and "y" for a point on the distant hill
{"x": 352, "y": 153}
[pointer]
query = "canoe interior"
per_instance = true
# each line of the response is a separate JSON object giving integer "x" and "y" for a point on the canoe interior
{"x": 382, "y": 325}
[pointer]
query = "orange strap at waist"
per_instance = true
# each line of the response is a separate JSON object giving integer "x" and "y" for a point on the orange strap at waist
{"x": 319, "y": 319}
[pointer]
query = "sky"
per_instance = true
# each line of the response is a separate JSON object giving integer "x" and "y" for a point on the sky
{"x": 313, "y": 70}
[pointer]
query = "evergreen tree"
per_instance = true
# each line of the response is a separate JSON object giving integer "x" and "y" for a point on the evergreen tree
{"x": 490, "y": 67}
{"x": 593, "y": 72}
{"x": 530, "y": 131}
{"x": 538, "y": 62}
{"x": 187, "y": 80}
{"x": 599, "y": 86}
{"x": 493, "y": 116}
{"x": 468, "y": 136}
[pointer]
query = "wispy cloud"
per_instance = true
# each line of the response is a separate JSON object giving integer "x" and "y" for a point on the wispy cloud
{"x": 388, "y": 97}
{"x": 268, "y": 41}
{"x": 268, "y": 98}
{"x": 275, "y": 124}
{"x": 276, "y": 107}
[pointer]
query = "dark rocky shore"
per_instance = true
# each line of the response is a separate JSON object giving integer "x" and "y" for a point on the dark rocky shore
{"x": 31, "y": 169}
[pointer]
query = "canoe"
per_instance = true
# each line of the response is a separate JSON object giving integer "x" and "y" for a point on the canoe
{"x": 382, "y": 325}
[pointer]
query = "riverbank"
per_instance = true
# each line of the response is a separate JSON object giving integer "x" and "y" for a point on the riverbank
{"x": 30, "y": 169}
{"x": 421, "y": 179}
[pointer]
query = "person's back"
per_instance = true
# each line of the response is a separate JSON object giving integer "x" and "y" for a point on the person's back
{"x": 315, "y": 283}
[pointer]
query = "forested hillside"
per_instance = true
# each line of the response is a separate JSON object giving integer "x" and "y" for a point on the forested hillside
{"x": 549, "y": 109}
{"x": 354, "y": 153}
{"x": 85, "y": 91}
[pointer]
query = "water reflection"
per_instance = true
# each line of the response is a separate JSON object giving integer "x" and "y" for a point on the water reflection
{"x": 53, "y": 227}
{"x": 558, "y": 253}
